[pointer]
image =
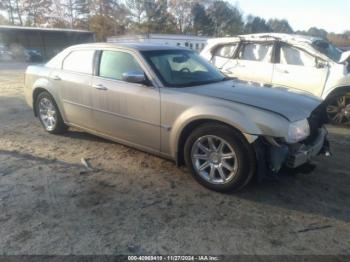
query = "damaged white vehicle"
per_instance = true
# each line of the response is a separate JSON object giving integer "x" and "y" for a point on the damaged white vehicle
{"x": 299, "y": 63}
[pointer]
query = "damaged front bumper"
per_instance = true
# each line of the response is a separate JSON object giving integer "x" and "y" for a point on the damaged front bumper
{"x": 304, "y": 153}
{"x": 272, "y": 156}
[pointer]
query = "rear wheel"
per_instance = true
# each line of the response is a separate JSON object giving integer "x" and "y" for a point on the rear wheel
{"x": 338, "y": 109}
{"x": 48, "y": 113}
{"x": 219, "y": 157}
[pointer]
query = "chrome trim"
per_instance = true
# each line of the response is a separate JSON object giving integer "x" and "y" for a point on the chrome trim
{"x": 111, "y": 113}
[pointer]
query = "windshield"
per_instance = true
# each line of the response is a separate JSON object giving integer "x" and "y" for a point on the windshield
{"x": 327, "y": 49}
{"x": 181, "y": 68}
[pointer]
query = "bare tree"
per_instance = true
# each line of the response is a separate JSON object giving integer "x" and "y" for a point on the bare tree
{"x": 137, "y": 9}
{"x": 18, "y": 11}
{"x": 37, "y": 12}
{"x": 70, "y": 11}
{"x": 14, "y": 11}
{"x": 120, "y": 15}
{"x": 10, "y": 11}
{"x": 181, "y": 10}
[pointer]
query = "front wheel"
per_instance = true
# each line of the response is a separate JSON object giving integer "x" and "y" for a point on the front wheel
{"x": 338, "y": 109}
{"x": 219, "y": 157}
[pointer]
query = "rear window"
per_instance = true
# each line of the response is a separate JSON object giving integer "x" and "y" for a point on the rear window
{"x": 79, "y": 61}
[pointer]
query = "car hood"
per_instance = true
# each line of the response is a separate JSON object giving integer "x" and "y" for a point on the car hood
{"x": 292, "y": 106}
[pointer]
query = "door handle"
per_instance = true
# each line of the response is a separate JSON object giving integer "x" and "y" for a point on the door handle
{"x": 100, "y": 87}
{"x": 56, "y": 77}
{"x": 282, "y": 71}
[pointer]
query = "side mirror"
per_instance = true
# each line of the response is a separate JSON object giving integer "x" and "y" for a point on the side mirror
{"x": 321, "y": 64}
{"x": 134, "y": 76}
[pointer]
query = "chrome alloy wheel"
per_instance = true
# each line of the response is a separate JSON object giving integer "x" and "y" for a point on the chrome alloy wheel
{"x": 214, "y": 159}
{"x": 47, "y": 113}
{"x": 338, "y": 110}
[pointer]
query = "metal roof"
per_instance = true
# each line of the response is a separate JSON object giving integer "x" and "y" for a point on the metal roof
{"x": 27, "y": 28}
{"x": 267, "y": 36}
{"x": 131, "y": 45}
{"x": 302, "y": 41}
{"x": 159, "y": 36}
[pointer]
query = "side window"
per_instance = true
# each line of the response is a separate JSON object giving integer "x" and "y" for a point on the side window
{"x": 171, "y": 67}
{"x": 79, "y": 61}
{"x": 256, "y": 52}
{"x": 114, "y": 63}
{"x": 225, "y": 51}
{"x": 294, "y": 56}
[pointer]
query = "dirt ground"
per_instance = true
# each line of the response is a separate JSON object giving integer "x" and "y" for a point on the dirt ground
{"x": 135, "y": 203}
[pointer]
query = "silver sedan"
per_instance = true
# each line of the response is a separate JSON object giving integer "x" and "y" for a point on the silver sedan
{"x": 172, "y": 103}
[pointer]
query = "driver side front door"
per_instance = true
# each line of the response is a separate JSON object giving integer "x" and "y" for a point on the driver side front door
{"x": 126, "y": 111}
{"x": 297, "y": 69}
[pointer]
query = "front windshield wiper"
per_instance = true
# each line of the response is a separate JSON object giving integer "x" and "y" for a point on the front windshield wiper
{"x": 197, "y": 83}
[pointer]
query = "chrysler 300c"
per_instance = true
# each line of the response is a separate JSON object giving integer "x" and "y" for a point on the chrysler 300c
{"x": 171, "y": 102}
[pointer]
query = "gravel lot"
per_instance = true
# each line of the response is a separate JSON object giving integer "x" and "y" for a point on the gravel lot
{"x": 135, "y": 203}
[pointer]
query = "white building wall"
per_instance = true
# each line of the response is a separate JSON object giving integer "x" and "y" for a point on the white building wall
{"x": 192, "y": 42}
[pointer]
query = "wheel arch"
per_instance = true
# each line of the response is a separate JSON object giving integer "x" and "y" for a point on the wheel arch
{"x": 38, "y": 90}
{"x": 192, "y": 125}
{"x": 335, "y": 90}
{"x": 337, "y": 117}
{"x": 36, "y": 93}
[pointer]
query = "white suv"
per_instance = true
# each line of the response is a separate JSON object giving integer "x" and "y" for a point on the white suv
{"x": 295, "y": 62}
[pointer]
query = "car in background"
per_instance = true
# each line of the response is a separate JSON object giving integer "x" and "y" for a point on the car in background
{"x": 5, "y": 53}
{"x": 33, "y": 55}
{"x": 171, "y": 102}
{"x": 296, "y": 62}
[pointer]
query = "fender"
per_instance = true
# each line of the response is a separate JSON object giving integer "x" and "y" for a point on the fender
{"x": 243, "y": 122}
{"x": 343, "y": 82}
{"x": 44, "y": 83}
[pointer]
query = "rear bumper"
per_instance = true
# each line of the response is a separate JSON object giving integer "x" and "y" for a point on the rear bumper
{"x": 304, "y": 153}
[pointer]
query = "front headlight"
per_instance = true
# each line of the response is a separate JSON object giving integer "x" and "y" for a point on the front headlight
{"x": 298, "y": 131}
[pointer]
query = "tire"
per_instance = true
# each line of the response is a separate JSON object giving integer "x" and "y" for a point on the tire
{"x": 46, "y": 106}
{"x": 338, "y": 109}
{"x": 238, "y": 170}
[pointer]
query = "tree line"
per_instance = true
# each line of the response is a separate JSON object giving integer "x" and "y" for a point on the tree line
{"x": 115, "y": 17}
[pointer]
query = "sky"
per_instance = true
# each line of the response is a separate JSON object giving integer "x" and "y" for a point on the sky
{"x": 331, "y": 15}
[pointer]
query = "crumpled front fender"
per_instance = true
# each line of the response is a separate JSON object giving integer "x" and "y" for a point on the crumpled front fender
{"x": 251, "y": 123}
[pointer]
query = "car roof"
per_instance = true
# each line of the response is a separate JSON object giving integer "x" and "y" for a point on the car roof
{"x": 302, "y": 41}
{"x": 130, "y": 45}
{"x": 266, "y": 37}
